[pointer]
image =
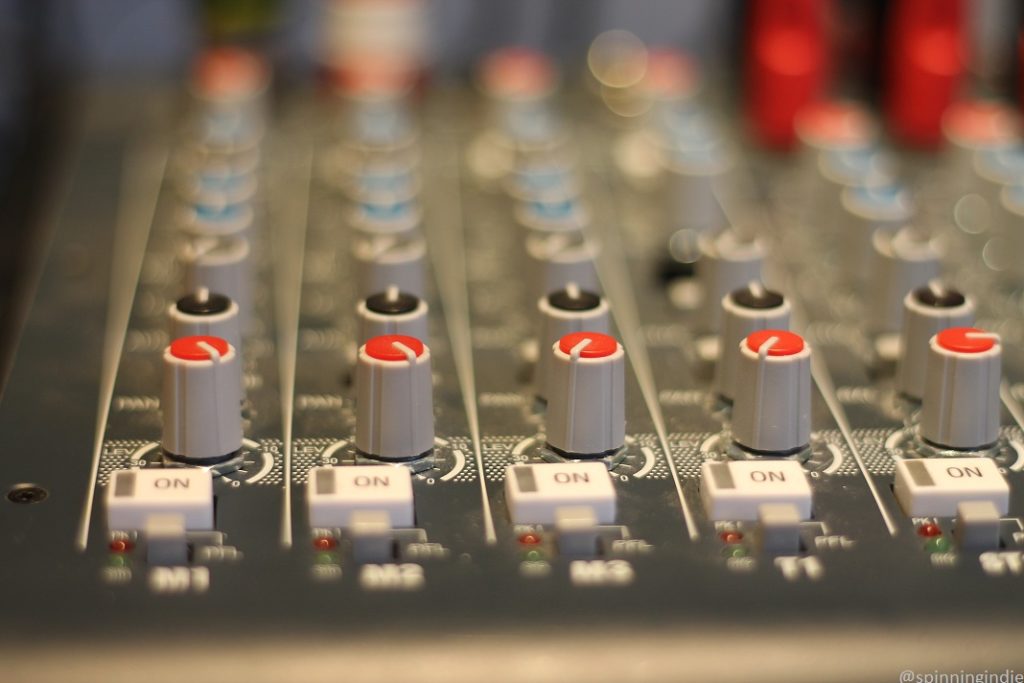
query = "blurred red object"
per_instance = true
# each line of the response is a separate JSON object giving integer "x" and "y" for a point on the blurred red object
{"x": 927, "y": 48}
{"x": 788, "y": 64}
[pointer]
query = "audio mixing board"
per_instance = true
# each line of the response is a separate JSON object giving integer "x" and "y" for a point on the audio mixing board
{"x": 535, "y": 383}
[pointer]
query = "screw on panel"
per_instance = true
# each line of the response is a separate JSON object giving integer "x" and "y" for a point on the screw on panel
{"x": 26, "y": 494}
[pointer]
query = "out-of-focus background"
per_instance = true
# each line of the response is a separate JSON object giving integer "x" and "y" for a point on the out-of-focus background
{"x": 48, "y": 48}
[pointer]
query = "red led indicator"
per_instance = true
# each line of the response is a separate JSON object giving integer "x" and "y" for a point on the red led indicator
{"x": 731, "y": 536}
{"x": 324, "y": 543}
{"x": 387, "y": 347}
{"x": 929, "y": 530}
{"x": 529, "y": 539}
{"x": 121, "y": 546}
{"x": 786, "y": 343}
{"x": 966, "y": 340}
{"x": 600, "y": 346}
{"x": 192, "y": 348}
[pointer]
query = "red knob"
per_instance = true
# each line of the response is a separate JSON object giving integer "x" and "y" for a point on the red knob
{"x": 927, "y": 48}
{"x": 787, "y": 64}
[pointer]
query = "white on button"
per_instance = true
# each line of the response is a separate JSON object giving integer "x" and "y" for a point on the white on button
{"x": 536, "y": 493}
{"x": 934, "y": 488}
{"x": 134, "y": 496}
{"x": 337, "y": 495}
{"x": 736, "y": 490}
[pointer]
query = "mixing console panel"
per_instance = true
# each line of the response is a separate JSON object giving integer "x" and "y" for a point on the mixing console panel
{"x": 527, "y": 373}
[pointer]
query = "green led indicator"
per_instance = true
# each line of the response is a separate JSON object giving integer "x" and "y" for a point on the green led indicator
{"x": 734, "y": 551}
{"x": 117, "y": 561}
{"x": 533, "y": 556}
{"x": 938, "y": 545}
{"x": 325, "y": 558}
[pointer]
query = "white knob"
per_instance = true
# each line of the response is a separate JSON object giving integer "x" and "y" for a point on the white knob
{"x": 744, "y": 311}
{"x": 220, "y": 265}
{"x": 388, "y": 218}
{"x": 960, "y": 407}
{"x": 205, "y": 313}
{"x": 904, "y": 261}
{"x": 229, "y": 86}
{"x": 563, "y": 258}
{"x": 382, "y": 262}
{"x": 693, "y": 172}
{"x": 212, "y": 180}
{"x": 562, "y": 312}
{"x": 216, "y": 220}
{"x": 867, "y": 210}
{"x": 727, "y": 261}
{"x": 377, "y": 179}
{"x": 586, "y": 413}
{"x": 558, "y": 214}
{"x": 546, "y": 178}
{"x": 926, "y": 312}
{"x": 771, "y": 411}
{"x": 392, "y": 312}
{"x": 202, "y": 399}
{"x": 394, "y": 406}
{"x": 378, "y": 120}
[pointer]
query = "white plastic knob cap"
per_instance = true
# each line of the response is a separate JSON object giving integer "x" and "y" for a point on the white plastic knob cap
{"x": 562, "y": 312}
{"x": 904, "y": 261}
{"x": 772, "y": 407}
{"x": 563, "y": 258}
{"x": 586, "y": 402}
{"x": 205, "y": 313}
{"x": 389, "y": 218}
{"x": 926, "y": 312}
{"x": 866, "y": 210}
{"x": 692, "y": 175}
{"x": 202, "y": 397}
{"x": 394, "y": 405}
{"x": 220, "y": 265}
{"x": 745, "y": 311}
{"x": 392, "y": 312}
{"x": 727, "y": 261}
{"x": 960, "y": 407}
{"x": 382, "y": 262}
{"x": 213, "y": 219}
